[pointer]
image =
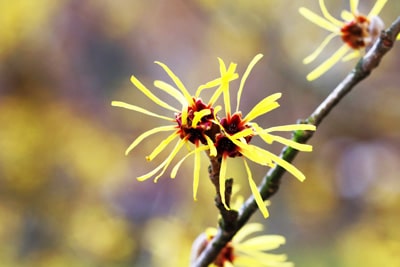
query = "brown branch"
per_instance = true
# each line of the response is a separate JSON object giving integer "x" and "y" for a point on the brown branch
{"x": 228, "y": 217}
{"x": 271, "y": 181}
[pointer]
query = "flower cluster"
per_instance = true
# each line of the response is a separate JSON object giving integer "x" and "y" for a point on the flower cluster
{"x": 357, "y": 31}
{"x": 191, "y": 123}
{"x": 237, "y": 132}
{"x": 197, "y": 122}
{"x": 244, "y": 251}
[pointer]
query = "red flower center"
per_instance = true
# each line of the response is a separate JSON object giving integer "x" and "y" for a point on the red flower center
{"x": 225, "y": 255}
{"x": 356, "y": 32}
{"x": 231, "y": 124}
{"x": 195, "y": 133}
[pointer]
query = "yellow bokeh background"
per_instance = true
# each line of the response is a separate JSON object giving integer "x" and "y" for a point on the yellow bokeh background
{"x": 68, "y": 194}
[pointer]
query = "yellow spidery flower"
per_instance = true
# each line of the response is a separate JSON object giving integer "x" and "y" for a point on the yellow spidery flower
{"x": 243, "y": 251}
{"x": 237, "y": 132}
{"x": 357, "y": 31}
{"x": 191, "y": 123}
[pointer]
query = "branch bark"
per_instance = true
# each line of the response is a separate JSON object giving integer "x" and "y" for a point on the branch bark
{"x": 271, "y": 181}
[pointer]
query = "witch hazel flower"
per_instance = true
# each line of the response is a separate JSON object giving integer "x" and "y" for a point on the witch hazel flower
{"x": 237, "y": 131}
{"x": 244, "y": 250}
{"x": 357, "y": 30}
{"x": 191, "y": 123}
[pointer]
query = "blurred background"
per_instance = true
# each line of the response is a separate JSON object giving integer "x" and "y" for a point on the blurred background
{"x": 68, "y": 194}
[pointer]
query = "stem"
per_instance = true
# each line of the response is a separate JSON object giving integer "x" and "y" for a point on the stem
{"x": 271, "y": 181}
{"x": 228, "y": 217}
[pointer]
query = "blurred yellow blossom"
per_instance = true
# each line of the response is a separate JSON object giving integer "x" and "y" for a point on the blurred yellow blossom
{"x": 20, "y": 24}
{"x": 357, "y": 31}
{"x": 168, "y": 241}
{"x": 243, "y": 251}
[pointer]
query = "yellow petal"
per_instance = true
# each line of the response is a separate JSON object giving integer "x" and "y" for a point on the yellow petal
{"x": 227, "y": 100}
{"x": 351, "y": 55}
{"x": 291, "y": 143}
{"x": 216, "y": 94}
{"x": 398, "y": 37}
{"x": 327, "y": 64}
{"x": 162, "y": 146}
{"x": 244, "y": 77}
{"x": 147, "y": 134}
{"x": 267, "y": 259}
{"x": 267, "y": 138}
{"x": 247, "y": 230}
{"x": 354, "y": 6}
{"x": 210, "y": 144}
{"x": 222, "y": 174}
{"x": 138, "y": 109}
{"x": 164, "y": 164}
{"x": 266, "y": 105}
{"x": 253, "y": 153}
{"x": 172, "y": 91}
{"x": 208, "y": 85}
{"x": 150, "y": 95}
{"x": 318, "y": 20}
{"x": 291, "y": 127}
{"x": 320, "y": 48}
{"x": 184, "y": 115}
{"x": 198, "y": 115}
{"x": 231, "y": 71}
{"x": 222, "y": 88}
{"x": 227, "y": 75}
{"x": 196, "y": 172}
{"x": 243, "y": 133}
{"x": 263, "y": 243}
{"x": 287, "y": 166}
{"x": 347, "y": 15}
{"x": 226, "y": 78}
{"x": 217, "y": 109}
{"x": 263, "y": 134}
{"x": 328, "y": 16}
{"x": 153, "y": 172}
{"x": 379, "y": 4}
{"x": 178, "y": 165}
{"x": 174, "y": 151}
{"x": 256, "y": 193}
{"x": 222, "y": 66}
{"x": 177, "y": 81}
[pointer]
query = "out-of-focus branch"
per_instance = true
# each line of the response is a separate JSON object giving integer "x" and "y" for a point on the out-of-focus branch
{"x": 271, "y": 181}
